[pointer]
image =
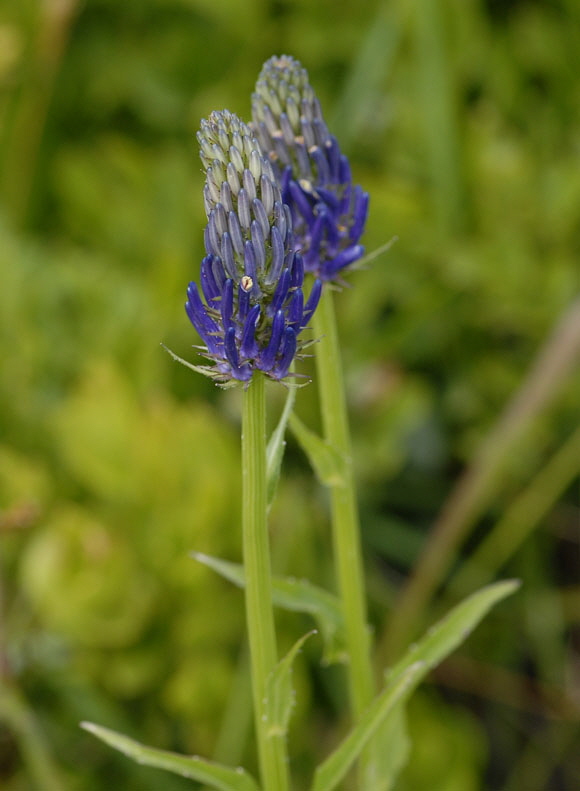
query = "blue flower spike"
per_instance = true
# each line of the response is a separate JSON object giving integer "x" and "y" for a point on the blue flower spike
{"x": 253, "y": 308}
{"x": 328, "y": 212}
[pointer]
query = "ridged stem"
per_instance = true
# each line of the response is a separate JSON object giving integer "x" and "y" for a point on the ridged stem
{"x": 258, "y": 590}
{"x": 345, "y": 519}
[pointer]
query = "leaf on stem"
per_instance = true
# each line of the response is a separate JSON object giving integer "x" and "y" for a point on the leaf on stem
{"x": 453, "y": 629}
{"x": 324, "y": 459}
{"x": 276, "y": 447}
{"x": 440, "y": 641}
{"x": 329, "y": 774}
{"x": 279, "y": 691}
{"x": 297, "y": 596}
{"x": 215, "y": 775}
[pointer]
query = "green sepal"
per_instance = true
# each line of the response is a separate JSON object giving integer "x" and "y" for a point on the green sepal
{"x": 324, "y": 459}
{"x": 330, "y": 773}
{"x": 276, "y": 447}
{"x": 297, "y": 596}
{"x": 279, "y": 691}
{"x": 205, "y": 370}
{"x": 223, "y": 778}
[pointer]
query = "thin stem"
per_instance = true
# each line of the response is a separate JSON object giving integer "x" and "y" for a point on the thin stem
{"x": 17, "y": 715}
{"x": 345, "y": 520}
{"x": 258, "y": 590}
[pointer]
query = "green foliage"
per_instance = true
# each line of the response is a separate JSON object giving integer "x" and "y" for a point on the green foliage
{"x": 297, "y": 596}
{"x": 214, "y": 775}
{"x": 334, "y": 768}
{"x": 280, "y": 693}
{"x": 324, "y": 459}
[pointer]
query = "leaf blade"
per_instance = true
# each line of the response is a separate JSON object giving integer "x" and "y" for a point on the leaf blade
{"x": 325, "y": 460}
{"x": 222, "y": 778}
{"x": 386, "y": 705}
{"x": 279, "y": 693}
{"x": 296, "y": 595}
{"x": 440, "y": 641}
{"x": 448, "y": 633}
{"x": 276, "y": 447}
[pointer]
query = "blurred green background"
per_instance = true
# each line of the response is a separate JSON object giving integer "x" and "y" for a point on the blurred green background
{"x": 462, "y": 120}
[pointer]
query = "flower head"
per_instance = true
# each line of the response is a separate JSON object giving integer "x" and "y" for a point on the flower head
{"x": 328, "y": 211}
{"x": 253, "y": 307}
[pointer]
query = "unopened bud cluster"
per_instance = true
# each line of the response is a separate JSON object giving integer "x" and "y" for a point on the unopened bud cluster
{"x": 328, "y": 211}
{"x": 251, "y": 278}
{"x": 279, "y": 199}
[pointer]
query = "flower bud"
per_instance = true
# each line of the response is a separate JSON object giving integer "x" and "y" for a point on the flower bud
{"x": 253, "y": 309}
{"x": 328, "y": 211}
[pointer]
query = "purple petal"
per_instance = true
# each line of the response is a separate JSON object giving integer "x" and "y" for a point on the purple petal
{"x": 258, "y": 243}
{"x": 266, "y": 194}
{"x": 226, "y": 196}
{"x": 204, "y": 324}
{"x": 227, "y": 255}
{"x": 297, "y": 271}
{"x": 261, "y": 216}
{"x": 333, "y": 157}
{"x": 249, "y": 184}
{"x": 322, "y": 168}
{"x": 280, "y": 219}
{"x": 294, "y": 312}
{"x": 277, "y": 257}
{"x": 287, "y": 352}
{"x": 344, "y": 170}
{"x": 227, "y": 303}
{"x": 348, "y": 256}
{"x": 230, "y": 348}
{"x": 250, "y": 261}
{"x": 211, "y": 237}
{"x": 268, "y": 356}
{"x": 361, "y": 208}
{"x": 218, "y": 271}
{"x": 301, "y": 202}
{"x": 244, "y": 209}
{"x": 280, "y": 293}
{"x": 243, "y": 302}
{"x": 209, "y": 286}
{"x": 248, "y": 345}
{"x": 311, "y": 303}
{"x": 329, "y": 198}
{"x": 235, "y": 233}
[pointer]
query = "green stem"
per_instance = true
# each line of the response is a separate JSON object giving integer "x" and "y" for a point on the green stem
{"x": 345, "y": 520}
{"x": 258, "y": 590}
{"x": 17, "y": 715}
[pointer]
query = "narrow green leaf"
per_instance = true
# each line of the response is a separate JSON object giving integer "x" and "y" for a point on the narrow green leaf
{"x": 220, "y": 777}
{"x": 453, "y": 629}
{"x": 392, "y": 751}
{"x": 329, "y": 774}
{"x": 276, "y": 447}
{"x": 440, "y": 641}
{"x": 279, "y": 692}
{"x": 325, "y": 460}
{"x": 297, "y": 596}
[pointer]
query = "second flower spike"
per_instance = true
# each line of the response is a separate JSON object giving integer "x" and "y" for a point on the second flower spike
{"x": 328, "y": 211}
{"x": 253, "y": 307}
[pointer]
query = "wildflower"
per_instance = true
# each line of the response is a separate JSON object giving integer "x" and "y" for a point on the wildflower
{"x": 253, "y": 306}
{"x": 328, "y": 212}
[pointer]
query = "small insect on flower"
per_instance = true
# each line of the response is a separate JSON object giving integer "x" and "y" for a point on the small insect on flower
{"x": 329, "y": 213}
{"x": 253, "y": 308}
{"x": 246, "y": 283}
